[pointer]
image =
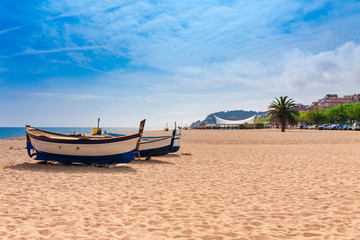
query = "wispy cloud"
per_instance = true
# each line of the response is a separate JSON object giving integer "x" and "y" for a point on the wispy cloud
{"x": 3, "y": 69}
{"x": 170, "y": 35}
{"x": 78, "y": 62}
{"x": 68, "y": 49}
{"x": 65, "y": 96}
{"x": 32, "y": 22}
{"x": 154, "y": 35}
{"x": 13, "y": 28}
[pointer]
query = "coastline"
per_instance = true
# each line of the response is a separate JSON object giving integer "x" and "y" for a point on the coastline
{"x": 234, "y": 184}
{"x": 13, "y": 138}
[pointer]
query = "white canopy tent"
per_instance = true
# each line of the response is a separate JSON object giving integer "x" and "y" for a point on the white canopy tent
{"x": 220, "y": 121}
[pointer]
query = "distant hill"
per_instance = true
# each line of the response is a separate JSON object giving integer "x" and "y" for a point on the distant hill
{"x": 228, "y": 115}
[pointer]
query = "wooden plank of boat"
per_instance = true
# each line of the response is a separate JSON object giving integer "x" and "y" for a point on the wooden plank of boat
{"x": 48, "y": 146}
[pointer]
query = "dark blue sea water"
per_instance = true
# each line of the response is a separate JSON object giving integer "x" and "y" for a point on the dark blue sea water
{"x": 8, "y": 132}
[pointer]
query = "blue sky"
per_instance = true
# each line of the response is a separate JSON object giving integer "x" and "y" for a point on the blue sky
{"x": 66, "y": 63}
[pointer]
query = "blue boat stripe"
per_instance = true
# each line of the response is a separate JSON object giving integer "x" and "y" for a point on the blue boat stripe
{"x": 115, "y": 134}
{"x": 117, "y": 158}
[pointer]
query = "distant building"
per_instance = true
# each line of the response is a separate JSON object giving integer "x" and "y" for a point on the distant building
{"x": 302, "y": 108}
{"x": 245, "y": 123}
{"x": 331, "y": 100}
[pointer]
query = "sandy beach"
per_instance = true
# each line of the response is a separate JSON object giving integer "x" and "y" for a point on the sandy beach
{"x": 222, "y": 184}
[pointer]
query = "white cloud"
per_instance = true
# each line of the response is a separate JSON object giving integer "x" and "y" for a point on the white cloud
{"x": 337, "y": 69}
{"x": 305, "y": 75}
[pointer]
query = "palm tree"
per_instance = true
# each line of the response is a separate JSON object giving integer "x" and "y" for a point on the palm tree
{"x": 282, "y": 111}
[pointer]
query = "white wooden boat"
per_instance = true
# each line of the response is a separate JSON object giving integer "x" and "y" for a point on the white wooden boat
{"x": 48, "y": 146}
{"x": 156, "y": 145}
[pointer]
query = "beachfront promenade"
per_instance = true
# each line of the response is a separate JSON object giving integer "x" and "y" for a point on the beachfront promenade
{"x": 222, "y": 184}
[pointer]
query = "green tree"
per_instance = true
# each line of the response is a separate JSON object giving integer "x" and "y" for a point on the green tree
{"x": 334, "y": 113}
{"x": 303, "y": 118}
{"x": 316, "y": 116}
{"x": 266, "y": 119}
{"x": 353, "y": 112}
{"x": 282, "y": 112}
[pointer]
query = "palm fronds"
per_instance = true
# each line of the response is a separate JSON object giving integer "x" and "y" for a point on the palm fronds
{"x": 282, "y": 112}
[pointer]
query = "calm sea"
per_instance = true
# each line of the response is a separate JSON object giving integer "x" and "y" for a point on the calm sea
{"x": 8, "y": 132}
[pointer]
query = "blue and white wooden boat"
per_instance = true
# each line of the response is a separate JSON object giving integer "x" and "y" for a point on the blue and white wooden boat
{"x": 103, "y": 149}
{"x": 156, "y": 145}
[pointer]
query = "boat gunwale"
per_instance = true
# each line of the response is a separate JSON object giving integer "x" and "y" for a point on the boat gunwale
{"x": 152, "y": 140}
{"x": 79, "y": 140}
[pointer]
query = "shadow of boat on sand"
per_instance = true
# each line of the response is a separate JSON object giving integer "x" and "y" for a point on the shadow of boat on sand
{"x": 171, "y": 155}
{"x": 70, "y": 168}
{"x": 151, "y": 161}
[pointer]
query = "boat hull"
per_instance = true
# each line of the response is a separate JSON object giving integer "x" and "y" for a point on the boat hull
{"x": 155, "y": 146}
{"x": 107, "y": 159}
{"x": 116, "y": 152}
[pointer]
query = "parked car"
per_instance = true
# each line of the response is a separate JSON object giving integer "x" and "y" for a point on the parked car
{"x": 339, "y": 127}
{"x": 356, "y": 126}
{"x": 332, "y": 127}
{"x": 322, "y": 127}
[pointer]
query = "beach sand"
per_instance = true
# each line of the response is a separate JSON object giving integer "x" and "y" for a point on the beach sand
{"x": 222, "y": 184}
